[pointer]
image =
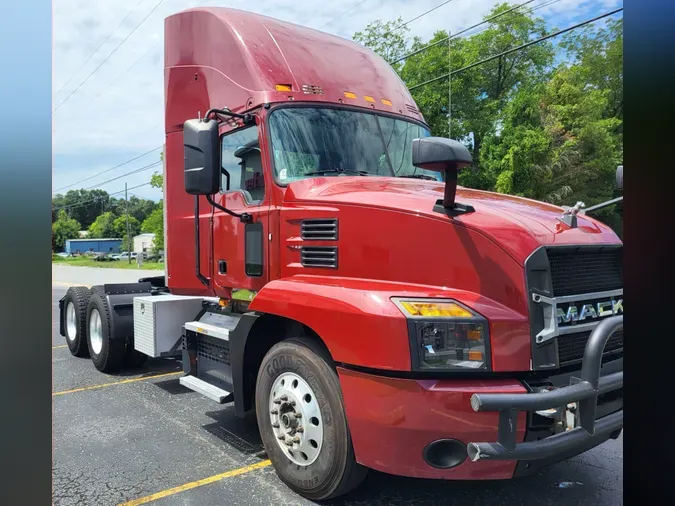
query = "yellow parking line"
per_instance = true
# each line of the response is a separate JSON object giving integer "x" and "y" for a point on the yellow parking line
{"x": 195, "y": 484}
{"x": 59, "y": 346}
{"x": 64, "y": 283}
{"x": 132, "y": 380}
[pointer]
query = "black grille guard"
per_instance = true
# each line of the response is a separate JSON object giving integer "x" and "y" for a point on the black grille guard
{"x": 584, "y": 391}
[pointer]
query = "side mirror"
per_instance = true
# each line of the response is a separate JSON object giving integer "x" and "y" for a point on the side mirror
{"x": 442, "y": 155}
{"x": 201, "y": 145}
{"x": 619, "y": 178}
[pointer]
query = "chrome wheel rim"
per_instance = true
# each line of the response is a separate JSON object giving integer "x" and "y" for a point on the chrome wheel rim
{"x": 296, "y": 419}
{"x": 71, "y": 322}
{"x": 95, "y": 332}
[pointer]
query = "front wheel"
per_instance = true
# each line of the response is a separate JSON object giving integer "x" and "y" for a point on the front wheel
{"x": 303, "y": 423}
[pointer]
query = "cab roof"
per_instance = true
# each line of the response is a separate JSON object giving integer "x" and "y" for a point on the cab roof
{"x": 221, "y": 57}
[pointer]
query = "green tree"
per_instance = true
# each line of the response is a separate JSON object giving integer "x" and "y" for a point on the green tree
{"x": 154, "y": 224}
{"x": 139, "y": 208}
{"x": 598, "y": 56}
{"x": 120, "y": 227}
{"x": 83, "y": 205}
{"x": 480, "y": 94}
{"x": 565, "y": 137}
{"x": 103, "y": 226}
{"x": 64, "y": 228}
{"x": 560, "y": 141}
{"x": 388, "y": 39}
{"x": 547, "y": 131}
{"x": 157, "y": 181}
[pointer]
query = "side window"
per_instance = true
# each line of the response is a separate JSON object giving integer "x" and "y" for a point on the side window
{"x": 242, "y": 163}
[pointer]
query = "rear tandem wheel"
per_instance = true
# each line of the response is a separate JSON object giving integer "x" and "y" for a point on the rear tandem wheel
{"x": 107, "y": 354}
{"x": 76, "y": 301}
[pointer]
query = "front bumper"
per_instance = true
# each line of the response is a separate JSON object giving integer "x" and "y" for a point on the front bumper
{"x": 582, "y": 393}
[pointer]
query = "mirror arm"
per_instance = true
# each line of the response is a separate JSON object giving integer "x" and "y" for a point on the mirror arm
{"x": 246, "y": 118}
{"x": 244, "y": 217}
{"x": 225, "y": 173}
{"x": 198, "y": 268}
{"x": 601, "y": 205}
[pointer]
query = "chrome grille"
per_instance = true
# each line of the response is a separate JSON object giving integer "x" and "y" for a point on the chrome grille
{"x": 571, "y": 346}
{"x": 578, "y": 271}
{"x": 562, "y": 276}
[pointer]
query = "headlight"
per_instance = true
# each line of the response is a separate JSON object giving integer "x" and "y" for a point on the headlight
{"x": 445, "y": 334}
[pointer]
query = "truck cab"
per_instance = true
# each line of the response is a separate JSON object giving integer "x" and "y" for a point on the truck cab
{"x": 370, "y": 311}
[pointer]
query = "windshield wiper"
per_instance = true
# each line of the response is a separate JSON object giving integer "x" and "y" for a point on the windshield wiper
{"x": 340, "y": 171}
{"x": 420, "y": 176}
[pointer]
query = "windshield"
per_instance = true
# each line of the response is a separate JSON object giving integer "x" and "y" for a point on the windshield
{"x": 311, "y": 142}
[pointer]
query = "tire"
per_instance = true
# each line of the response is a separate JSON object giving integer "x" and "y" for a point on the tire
{"x": 133, "y": 359}
{"x": 99, "y": 290}
{"x": 76, "y": 301}
{"x": 107, "y": 354}
{"x": 332, "y": 470}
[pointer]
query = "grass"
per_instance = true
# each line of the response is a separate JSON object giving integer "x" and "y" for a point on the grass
{"x": 84, "y": 261}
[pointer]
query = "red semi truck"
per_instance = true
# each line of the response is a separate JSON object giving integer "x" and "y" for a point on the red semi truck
{"x": 324, "y": 269}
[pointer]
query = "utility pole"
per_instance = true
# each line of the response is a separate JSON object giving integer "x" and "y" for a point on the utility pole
{"x": 126, "y": 198}
{"x": 449, "y": 87}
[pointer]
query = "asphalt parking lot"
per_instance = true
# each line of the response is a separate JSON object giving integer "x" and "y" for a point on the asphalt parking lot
{"x": 140, "y": 437}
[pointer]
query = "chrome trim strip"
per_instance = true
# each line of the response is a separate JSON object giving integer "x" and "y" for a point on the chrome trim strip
{"x": 550, "y": 307}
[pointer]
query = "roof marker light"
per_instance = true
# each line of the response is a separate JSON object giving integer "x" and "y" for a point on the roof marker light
{"x": 368, "y": 98}
{"x": 349, "y": 94}
{"x": 283, "y": 87}
{"x": 386, "y": 102}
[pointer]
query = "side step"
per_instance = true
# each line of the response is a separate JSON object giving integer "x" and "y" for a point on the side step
{"x": 208, "y": 329}
{"x": 206, "y": 389}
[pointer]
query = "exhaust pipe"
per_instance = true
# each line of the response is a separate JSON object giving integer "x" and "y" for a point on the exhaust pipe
{"x": 474, "y": 452}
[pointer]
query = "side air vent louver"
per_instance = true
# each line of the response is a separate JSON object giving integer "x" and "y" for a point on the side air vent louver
{"x": 319, "y": 256}
{"x": 319, "y": 230}
{"x": 411, "y": 109}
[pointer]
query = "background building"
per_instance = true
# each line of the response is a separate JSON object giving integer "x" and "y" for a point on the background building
{"x": 143, "y": 243}
{"x": 95, "y": 245}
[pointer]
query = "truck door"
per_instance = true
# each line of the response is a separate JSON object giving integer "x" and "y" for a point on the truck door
{"x": 240, "y": 252}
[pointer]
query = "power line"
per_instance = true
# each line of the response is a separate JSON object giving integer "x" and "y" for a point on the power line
{"x": 427, "y": 12}
{"x": 488, "y": 20}
{"x": 96, "y": 199}
{"x": 107, "y": 57}
{"x": 419, "y": 16}
{"x": 107, "y": 170}
{"x": 143, "y": 56}
{"x": 121, "y": 74}
{"x": 529, "y": 10}
{"x": 100, "y": 46}
{"x": 345, "y": 12}
{"x": 518, "y": 48}
{"x": 131, "y": 173}
{"x": 404, "y": 24}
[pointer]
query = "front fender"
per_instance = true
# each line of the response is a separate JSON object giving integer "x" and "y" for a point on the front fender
{"x": 356, "y": 319}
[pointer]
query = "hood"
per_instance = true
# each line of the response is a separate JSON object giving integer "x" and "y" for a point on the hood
{"x": 517, "y": 224}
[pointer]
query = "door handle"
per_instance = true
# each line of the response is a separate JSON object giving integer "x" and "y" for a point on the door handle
{"x": 222, "y": 267}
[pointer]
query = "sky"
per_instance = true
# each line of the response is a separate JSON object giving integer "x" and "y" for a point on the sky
{"x": 108, "y": 101}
